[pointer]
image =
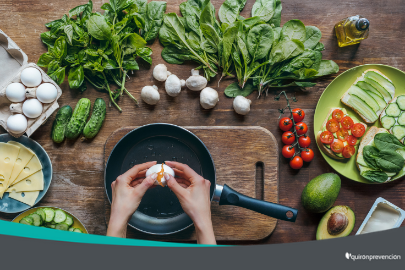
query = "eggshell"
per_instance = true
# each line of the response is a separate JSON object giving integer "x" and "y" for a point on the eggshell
{"x": 32, "y": 108}
{"x": 15, "y": 92}
{"x": 156, "y": 169}
{"x": 46, "y": 93}
{"x": 17, "y": 123}
{"x": 31, "y": 77}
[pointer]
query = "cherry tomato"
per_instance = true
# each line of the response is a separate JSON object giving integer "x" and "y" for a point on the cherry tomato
{"x": 288, "y": 151}
{"x": 347, "y": 122}
{"x": 307, "y": 155}
{"x": 358, "y": 130}
{"x": 352, "y": 140}
{"x": 298, "y": 115}
{"x": 304, "y": 141}
{"x": 301, "y": 128}
{"x": 288, "y": 137}
{"x": 296, "y": 163}
{"x": 337, "y": 146}
{"x": 342, "y": 134}
{"x": 337, "y": 115}
{"x": 285, "y": 124}
{"x": 348, "y": 151}
{"x": 327, "y": 137}
{"x": 332, "y": 125}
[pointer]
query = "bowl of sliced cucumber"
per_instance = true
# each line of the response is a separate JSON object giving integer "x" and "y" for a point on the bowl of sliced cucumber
{"x": 52, "y": 218}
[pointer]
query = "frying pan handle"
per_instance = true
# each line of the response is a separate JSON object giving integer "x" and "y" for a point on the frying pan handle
{"x": 278, "y": 211}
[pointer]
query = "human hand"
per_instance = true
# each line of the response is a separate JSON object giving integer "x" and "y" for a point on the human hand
{"x": 127, "y": 192}
{"x": 193, "y": 192}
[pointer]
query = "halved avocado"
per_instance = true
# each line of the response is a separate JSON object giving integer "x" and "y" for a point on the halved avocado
{"x": 337, "y": 222}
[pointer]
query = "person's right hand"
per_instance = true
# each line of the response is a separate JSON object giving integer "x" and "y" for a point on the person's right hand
{"x": 193, "y": 192}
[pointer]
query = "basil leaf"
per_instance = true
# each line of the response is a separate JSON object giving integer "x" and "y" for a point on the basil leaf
{"x": 76, "y": 77}
{"x": 79, "y": 9}
{"x": 130, "y": 64}
{"x": 98, "y": 27}
{"x": 58, "y": 75}
{"x": 387, "y": 141}
{"x": 375, "y": 176}
{"x": 48, "y": 38}
{"x": 68, "y": 29}
{"x": 118, "y": 5}
{"x": 59, "y": 49}
{"x": 45, "y": 59}
{"x": 390, "y": 161}
{"x": 233, "y": 90}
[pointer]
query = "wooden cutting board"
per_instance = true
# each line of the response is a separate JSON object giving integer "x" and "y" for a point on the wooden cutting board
{"x": 246, "y": 159}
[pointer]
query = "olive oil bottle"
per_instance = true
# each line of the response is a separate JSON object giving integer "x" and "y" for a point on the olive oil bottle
{"x": 352, "y": 30}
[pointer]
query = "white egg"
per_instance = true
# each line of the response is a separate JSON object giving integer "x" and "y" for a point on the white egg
{"x": 17, "y": 123}
{"x": 46, "y": 93}
{"x": 31, "y": 77}
{"x": 32, "y": 108}
{"x": 15, "y": 92}
{"x": 157, "y": 169}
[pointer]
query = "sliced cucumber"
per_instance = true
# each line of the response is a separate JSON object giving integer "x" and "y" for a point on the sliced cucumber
{"x": 368, "y": 87}
{"x": 71, "y": 229}
{"x": 27, "y": 221}
{"x": 48, "y": 225}
{"x": 49, "y": 214}
{"x": 69, "y": 220}
{"x": 60, "y": 216}
{"x": 401, "y": 119}
{"x": 41, "y": 213}
{"x": 355, "y": 90}
{"x": 386, "y": 95}
{"x": 62, "y": 227}
{"x": 387, "y": 121}
{"x": 401, "y": 102}
{"x": 393, "y": 110}
{"x": 378, "y": 99}
{"x": 37, "y": 219}
{"x": 399, "y": 132}
{"x": 78, "y": 230}
{"x": 381, "y": 80}
{"x": 362, "y": 107}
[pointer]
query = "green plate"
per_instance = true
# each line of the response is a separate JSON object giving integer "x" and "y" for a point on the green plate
{"x": 331, "y": 98}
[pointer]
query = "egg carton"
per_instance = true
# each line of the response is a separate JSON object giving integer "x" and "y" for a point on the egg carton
{"x": 12, "y": 62}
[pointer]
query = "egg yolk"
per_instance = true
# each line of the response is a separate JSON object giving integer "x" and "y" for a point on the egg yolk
{"x": 160, "y": 176}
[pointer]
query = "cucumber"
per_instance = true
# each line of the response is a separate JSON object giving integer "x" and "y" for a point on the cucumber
{"x": 78, "y": 120}
{"x": 387, "y": 121}
{"x": 355, "y": 90}
{"x": 386, "y": 95}
{"x": 393, "y": 110}
{"x": 401, "y": 102}
{"x": 368, "y": 87}
{"x": 41, "y": 213}
{"x": 27, "y": 221}
{"x": 60, "y": 216}
{"x": 78, "y": 230}
{"x": 381, "y": 80}
{"x": 401, "y": 119}
{"x": 378, "y": 99}
{"x": 69, "y": 220}
{"x": 71, "y": 229}
{"x": 362, "y": 107}
{"x": 96, "y": 120}
{"x": 51, "y": 226}
{"x": 37, "y": 219}
{"x": 49, "y": 214}
{"x": 399, "y": 132}
{"x": 62, "y": 227}
{"x": 59, "y": 124}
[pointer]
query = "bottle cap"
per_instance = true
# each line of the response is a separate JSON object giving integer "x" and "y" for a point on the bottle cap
{"x": 362, "y": 24}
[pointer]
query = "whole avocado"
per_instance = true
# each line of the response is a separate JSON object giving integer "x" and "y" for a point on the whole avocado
{"x": 321, "y": 192}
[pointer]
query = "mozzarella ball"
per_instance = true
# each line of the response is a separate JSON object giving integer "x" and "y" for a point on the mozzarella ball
{"x": 150, "y": 95}
{"x": 32, "y": 108}
{"x": 208, "y": 98}
{"x": 15, "y": 92}
{"x": 46, "y": 93}
{"x": 241, "y": 105}
{"x": 157, "y": 169}
{"x": 17, "y": 123}
{"x": 31, "y": 77}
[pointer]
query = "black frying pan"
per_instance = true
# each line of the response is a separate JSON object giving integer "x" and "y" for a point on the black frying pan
{"x": 160, "y": 211}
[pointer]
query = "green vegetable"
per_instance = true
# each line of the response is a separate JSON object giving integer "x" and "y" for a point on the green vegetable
{"x": 390, "y": 161}
{"x": 375, "y": 176}
{"x": 78, "y": 120}
{"x": 386, "y": 141}
{"x": 59, "y": 124}
{"x": 96, "y": 120}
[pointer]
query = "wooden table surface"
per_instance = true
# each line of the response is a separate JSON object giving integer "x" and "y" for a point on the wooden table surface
{"x": 77, "y": 184}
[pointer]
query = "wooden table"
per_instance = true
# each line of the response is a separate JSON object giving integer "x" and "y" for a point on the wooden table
{"x": 77, "y": 184}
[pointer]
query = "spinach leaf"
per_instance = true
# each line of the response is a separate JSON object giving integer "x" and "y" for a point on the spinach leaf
{"x": 327, "y": 67}
{"x": 259, "y": 41}
{"x": 375, "y": 176}
{"x": 173, "y": 55}
{"x": 390, "y": 161}
{"x": 229, "y": 10}
{"x": 233, "y": 90}
{"x": 286, "y": 49}
{"x": 319, "y": 47}
{"x": 309, "y": 59}
{"x": 141, "y": 6}
{"x": 265, "y": 9}
{"x": 154, "y": 19}
{"x": 312, "y": 37}
{"x": 118, "y": 5}
{"x": 369, "y": 155}
{"x": 387, "y": 141}
{"x": 294, "y": 29}
{"x": 276, "y": 20}
{"x": 98, "y": 27}
{"x": 76, "y": 77}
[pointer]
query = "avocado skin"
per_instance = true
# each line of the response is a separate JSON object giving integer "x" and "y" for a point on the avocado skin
{"x": 322, "y": 231}
{"x": 321, "y": 192}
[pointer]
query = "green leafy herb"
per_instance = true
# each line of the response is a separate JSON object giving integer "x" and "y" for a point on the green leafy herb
{"x": 375, "y": 176}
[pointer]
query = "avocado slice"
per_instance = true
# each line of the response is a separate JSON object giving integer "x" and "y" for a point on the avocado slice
{"x": 337, "y": 222}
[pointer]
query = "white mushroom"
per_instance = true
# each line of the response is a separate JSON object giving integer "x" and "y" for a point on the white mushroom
{"x": 16, "y": 108}
{"x": 208, "y": 98}
{"x": 160, "y": 72}
{"x": 150, "y": 94}
{"x": 173, "y": 85}
{"x": 241, "y": 105}
{"x": 196, "y": 82}
{"x": 31, "y": 93}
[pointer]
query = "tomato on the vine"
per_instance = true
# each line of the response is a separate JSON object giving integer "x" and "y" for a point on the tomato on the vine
{"x": 337, "y": 146}
{"x": 348, "y": 151}
{"x": 296, "y": 163}
{"x": 301, "y": 128}
{"x": 307, "y": 155}
{"x": 288, "y": 151}
{"x": 298, "y": 115}
{"x": 332, "y": 125}
{"x": 327, "y": 137}
{"x": 347, "y": 122}
{"x": 285, "y": 124}
{"x": 337, "y": 115}
{"x": 358, "y": 130}
{"x": 352, "y": 140}
{"x": 304, "y": 141}
{"x": 288, "y": 137}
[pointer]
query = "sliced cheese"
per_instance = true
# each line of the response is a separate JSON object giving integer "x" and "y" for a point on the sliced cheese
{"x": 32, "y": 167}
{"x": 23, "y": 158}
{"x": 28, "y": 197}
{"x": 8, "y": 156}
{"x": 31, "y": 183}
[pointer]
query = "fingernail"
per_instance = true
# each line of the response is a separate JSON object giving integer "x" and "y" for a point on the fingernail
{"x": 154, "y": 176}
{"x": 167, "y": 176}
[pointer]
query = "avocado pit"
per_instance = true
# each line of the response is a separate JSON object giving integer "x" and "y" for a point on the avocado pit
{"x": 337, "y": 223}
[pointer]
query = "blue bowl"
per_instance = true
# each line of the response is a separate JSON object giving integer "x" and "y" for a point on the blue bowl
{"x": 8, "y": 205}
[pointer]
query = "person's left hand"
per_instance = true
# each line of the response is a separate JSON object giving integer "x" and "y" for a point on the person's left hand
{"x": 127, "y": 192}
